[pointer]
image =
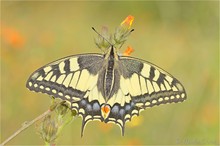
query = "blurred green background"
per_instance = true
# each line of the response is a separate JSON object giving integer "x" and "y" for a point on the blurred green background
{"x": 180, "y": 37}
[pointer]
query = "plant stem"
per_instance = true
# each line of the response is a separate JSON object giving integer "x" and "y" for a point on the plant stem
{"x": 25, "y": 126}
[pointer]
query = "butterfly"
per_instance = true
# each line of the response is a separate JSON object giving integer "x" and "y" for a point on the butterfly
{"x": 107, "y": 87}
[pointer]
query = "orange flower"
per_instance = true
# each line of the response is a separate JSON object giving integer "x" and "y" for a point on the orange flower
{"x": 13, "y": 37}
{"x": 123, "y": 31}
{"x": 127, "y": 22}
{"x": 133, "y": 141}
{"x": 105, "y": 127}
{"x": 128, "y": 51}
{"x": 136, "y": 121}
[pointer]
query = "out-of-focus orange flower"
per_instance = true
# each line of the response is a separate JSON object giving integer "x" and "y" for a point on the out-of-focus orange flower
{"x": 133, "y": 142}
{"x": 135, "y": 121}
{"x": 123, "y": 31}
{"x": 105, "y": 127}
{"x": 127, "y": 22}
{"x": 209, "y": 114}
{"x": 128, "y": 51}
{"x": 12, "y": 37}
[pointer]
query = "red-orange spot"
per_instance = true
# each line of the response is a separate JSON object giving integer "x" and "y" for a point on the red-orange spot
{"x": 106, "y": 109}
{"x": 128, "y": 51}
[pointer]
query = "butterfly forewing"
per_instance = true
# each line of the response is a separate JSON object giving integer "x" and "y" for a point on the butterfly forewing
{"x": 70, "y": 78}
{"x": 149, "y": 84}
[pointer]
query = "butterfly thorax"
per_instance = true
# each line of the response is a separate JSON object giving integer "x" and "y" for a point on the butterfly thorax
{"x": 111, "y": 58}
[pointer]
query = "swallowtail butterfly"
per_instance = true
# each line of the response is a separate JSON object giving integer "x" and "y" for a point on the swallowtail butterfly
{"x": 107, "y": 87}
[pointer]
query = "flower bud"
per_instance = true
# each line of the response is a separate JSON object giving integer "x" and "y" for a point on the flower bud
{"x": 48, "y": 129}
{"x": 123, "y": 31}
{"x": 52, "y": 124}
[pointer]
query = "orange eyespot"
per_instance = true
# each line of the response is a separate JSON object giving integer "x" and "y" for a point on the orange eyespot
{"x": 128, "y": 51}
{"x": 105, "y": 109}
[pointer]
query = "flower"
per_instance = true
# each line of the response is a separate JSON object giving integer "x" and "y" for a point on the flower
{"x": 51, "y": 125}
{"x": 49, "y": 129}
{"x": 105, "y": 127}
{"x": 105, "y": 40}
{"x": 136, "y": 121}
{"x": 127, "y": 22}
{"x": 13, "y": 37}
{"x": 123, "y": 31}
{"x": 128, "y": 51}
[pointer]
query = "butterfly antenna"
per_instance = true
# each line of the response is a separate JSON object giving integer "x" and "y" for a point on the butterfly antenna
{"x": 125, "y": 36}
{"x": 102, "y": 36}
